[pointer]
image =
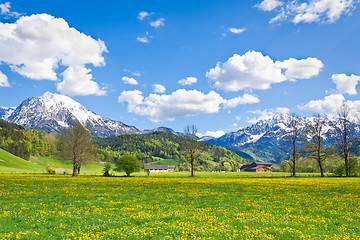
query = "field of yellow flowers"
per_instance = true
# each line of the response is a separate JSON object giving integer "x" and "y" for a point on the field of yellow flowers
{"x": 175, "y": 206}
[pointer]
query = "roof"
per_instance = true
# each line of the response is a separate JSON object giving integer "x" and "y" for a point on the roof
{"x": 158, "y": 167}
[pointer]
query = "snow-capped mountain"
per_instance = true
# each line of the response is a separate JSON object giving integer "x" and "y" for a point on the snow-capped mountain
{"x": 6, "y": 112}
{"x": 260, "y": 141}
{"x": 52, "y": 112}
{"x": 273, "y": 129}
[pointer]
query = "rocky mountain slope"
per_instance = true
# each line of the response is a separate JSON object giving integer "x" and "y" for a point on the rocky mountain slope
{"x": 52, "y": 112}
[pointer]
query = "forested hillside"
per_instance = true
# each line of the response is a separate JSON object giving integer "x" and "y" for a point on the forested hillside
{"x": 163, "y": 145}
{"x": 23, "y": 142}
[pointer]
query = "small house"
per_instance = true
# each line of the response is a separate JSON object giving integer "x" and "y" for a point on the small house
{"x": 256, "y": 167}
{"x": 159, "y": 168}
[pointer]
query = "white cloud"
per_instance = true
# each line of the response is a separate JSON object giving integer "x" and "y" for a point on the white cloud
{"x": 168, "y": 107}
{"x": 71, "y": 85}
{"x": 282, "y": 110}
{"x": 237, "y": 30}
{"x": 245, "y": 99}
{"x": 129, "y": 80}
{"x": 215, "y": 134}
{"x": 133, "y": 98}
{"x": 142, "y": 39}
{"x": 4, "y": 80}
{"x": 238, "y": 118}
{"x": 188, "y": 81}
{"x": 178, "y": 104}
{"x": 346, "y": 84}
{"x": 5, "y": 10}
{"x": 158, "y": 88}
{"x": 300, "y": 69}
{"x": 253, "y": 70}
{"x": 329, "y": 105}
{"x": 142, "y": 15}
{"x": 318, "y": 11}
{"x": 158, "y": 23}
{"x": 269, "y": 5}
{"x": 45, "y": 42}
{"x": 266, "y": 114}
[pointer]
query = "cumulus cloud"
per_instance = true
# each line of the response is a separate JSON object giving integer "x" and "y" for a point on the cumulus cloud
{"x": 142, "y": 15}
{"x": 245, "y": 99}
{"x": 331, "y": 104}
{"x": 187, "y": 81}
{"x": 346, "y": 84}
{"x": 158, "y": 23}
{"x": 269, "y": 5}
{"x": 253, "y": 70}
{"x": 318, "y": 11}
{"x": 4, "y": 80}
{"x": 71, "y": 85}
{"x": 327, "y": 106}
{"x": 237, "y": 30}
{"x": 215, "y": 134}
{"x": 266, "y": 114}
{"x": 158, "y": 88}
{"x": 45, "y": 42}
{"x": 129, "y": 80}
{"x": 178, "y": 104}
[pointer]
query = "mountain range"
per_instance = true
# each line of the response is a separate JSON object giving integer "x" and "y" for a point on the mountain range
{"x": 52, "y": 112}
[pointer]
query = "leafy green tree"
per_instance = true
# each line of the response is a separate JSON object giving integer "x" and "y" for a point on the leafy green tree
{"x": 128, "y": 164}
{"x": 106, "y": 170}
{"x": 76, "y": 145}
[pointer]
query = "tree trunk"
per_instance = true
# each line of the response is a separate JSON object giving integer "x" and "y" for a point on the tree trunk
{"x": 346, "y": 164}
{"x": 74, "y": 170}
{"x": 321, "y": 169}
{"x": 192, "y": 167}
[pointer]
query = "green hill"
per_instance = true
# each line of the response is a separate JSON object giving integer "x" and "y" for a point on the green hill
{"x": 10, "y": 163}
{"x": 167, "y": 146}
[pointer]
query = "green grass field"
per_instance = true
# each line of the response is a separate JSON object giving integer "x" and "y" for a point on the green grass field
{"x": 175, "y": 206}
{"x": 12, "y": 164}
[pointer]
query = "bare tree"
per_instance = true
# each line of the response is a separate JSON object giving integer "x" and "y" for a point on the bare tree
{"x": 344, "y": 133}
{"x": 76, "y": 145}
{"x": 291, "y": 140}
{"x": 316, "y": 132}
{"x": 191, "y": 145}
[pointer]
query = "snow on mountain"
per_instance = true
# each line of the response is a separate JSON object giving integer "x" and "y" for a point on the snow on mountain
{"x": 52, "y": 112}
{"x": 6, "y": 112}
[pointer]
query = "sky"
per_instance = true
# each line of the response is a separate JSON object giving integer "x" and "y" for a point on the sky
{"x": 221, "y": 65}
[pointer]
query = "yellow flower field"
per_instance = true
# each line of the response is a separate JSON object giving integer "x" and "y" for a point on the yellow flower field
{"x": 215, "y": 206}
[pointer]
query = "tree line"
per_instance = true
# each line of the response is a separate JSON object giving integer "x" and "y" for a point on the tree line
{"x": 313, "y": 142}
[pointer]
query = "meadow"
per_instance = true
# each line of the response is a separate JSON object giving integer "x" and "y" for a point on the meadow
{"x": 175, "y": 206}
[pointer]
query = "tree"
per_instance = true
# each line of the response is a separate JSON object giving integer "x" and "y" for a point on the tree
{"x": 292, "y": 138}
{"x": 128, "y": 164}
{"x": 76, "y": 145}
{"x": 344, "y": 133}
{"x": 316, "y": 132}
{"x": 191, "y": 145}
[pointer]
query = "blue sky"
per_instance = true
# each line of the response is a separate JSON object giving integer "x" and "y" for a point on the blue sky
{"x": 221, "y": 65}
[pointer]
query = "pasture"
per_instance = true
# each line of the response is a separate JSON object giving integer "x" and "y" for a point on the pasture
{"x": 175, "y": 206}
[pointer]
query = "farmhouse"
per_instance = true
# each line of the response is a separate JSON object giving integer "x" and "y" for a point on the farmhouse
{"x": 256, "y": 167}
{"x": 159, "y": 168}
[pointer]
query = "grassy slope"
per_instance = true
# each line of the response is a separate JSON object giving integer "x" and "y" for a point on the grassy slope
{"x": 10, "y": 163}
